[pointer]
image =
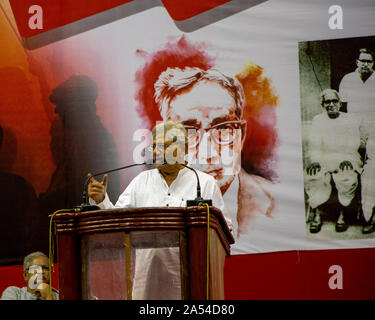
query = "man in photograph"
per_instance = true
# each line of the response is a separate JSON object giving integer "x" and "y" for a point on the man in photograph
{"x": 357, "y": 91}
{"x": 333, "y": 153}
{"x": 357, "y": 88}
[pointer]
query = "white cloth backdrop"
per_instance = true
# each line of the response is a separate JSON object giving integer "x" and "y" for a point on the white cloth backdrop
{"x": 267, "y": 35}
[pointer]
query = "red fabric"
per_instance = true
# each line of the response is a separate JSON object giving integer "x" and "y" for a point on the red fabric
{"x": 300, "y": 275}
{"x": 57, "y": 13}
{"x": 283, "y": 275}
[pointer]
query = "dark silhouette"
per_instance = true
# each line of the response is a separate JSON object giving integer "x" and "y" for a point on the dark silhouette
{"x": 19, "y": 216}
{"x": 79, "y": 144}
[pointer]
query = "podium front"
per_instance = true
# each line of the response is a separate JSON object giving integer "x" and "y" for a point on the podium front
{"x": 103, "y": 254}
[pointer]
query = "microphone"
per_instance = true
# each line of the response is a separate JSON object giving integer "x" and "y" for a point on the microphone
{"x": 198, "y": 201}
{"x": 85, "y": 206}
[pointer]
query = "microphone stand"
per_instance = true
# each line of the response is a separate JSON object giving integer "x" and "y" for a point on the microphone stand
{"x": 198, "y": 201}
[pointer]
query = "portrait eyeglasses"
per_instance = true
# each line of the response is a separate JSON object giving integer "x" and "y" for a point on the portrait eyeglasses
{"x": 224, "y": 133}
{"x": 366, "y": 61}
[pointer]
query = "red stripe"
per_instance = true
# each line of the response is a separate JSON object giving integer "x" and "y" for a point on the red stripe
{"x": 57, "y": 13}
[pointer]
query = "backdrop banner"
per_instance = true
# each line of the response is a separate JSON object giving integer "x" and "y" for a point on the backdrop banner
{"x": 278, "y": 98}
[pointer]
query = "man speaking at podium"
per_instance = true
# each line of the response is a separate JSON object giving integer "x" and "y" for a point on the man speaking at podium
{"x": 157, "y": 274}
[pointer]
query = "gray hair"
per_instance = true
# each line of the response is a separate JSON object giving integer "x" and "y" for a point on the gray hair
{"x": 30, "y": 257}
{"x": 174, "y": 80}
{"x": 324, "y": 92}
{"x": 168, "y": 125}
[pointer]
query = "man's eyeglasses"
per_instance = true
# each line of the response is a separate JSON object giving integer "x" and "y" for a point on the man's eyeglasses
{"x": 224, "y": 133}
{"x": 366, "y": 61}
{"x": 35, "y": 268}
{"x": 161, "y": 147}
{"x": 327, "y": 103}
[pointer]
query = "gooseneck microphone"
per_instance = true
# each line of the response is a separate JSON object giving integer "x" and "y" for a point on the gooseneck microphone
{"x": 198, "y": 201}
{"x": 85, "y": 206}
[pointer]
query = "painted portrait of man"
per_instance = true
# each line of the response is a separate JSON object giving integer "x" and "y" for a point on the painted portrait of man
{"x": 211, "y": 106}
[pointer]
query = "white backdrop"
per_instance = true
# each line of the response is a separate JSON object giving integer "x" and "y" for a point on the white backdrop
{"x": 266, "y": 35}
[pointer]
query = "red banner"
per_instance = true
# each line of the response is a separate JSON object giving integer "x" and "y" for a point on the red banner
{"x": 38, "y": 17}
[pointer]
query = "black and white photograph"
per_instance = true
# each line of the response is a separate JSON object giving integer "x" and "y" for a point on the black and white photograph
{"x": 337, "y": 98}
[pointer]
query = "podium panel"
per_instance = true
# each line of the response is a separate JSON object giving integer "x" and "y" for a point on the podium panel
{"x": 103, "y": 266}
{"x": 141, "y": 253}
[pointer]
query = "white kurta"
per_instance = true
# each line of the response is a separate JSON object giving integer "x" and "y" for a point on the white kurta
{"x": 360, "y": 97}
{"x": 332, "y": 141}
{"x": 368, "y": 177}
{"x": 335, "y": 140}
{"x": 157, "y": 270}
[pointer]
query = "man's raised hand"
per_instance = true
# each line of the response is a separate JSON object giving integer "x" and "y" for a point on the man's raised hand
{"x": 97, "y": 189}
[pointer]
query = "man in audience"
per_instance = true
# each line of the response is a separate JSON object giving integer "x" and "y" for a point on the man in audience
{"x": 36, "y": 275}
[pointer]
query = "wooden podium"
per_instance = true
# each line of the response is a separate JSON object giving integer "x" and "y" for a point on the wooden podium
{"x": 96, "y": 250}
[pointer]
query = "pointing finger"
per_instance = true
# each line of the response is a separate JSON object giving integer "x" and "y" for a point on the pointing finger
{"x": 105, "y": 180}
